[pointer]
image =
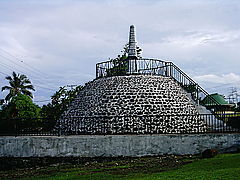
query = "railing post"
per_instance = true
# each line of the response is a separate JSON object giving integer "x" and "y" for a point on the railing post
{"x": 96, "y": 71}
{"x": 197, "y": 94}
{"x": 60, "y": 127}
{"x": 15, "y": 127}
{"x": 170, "y": 70}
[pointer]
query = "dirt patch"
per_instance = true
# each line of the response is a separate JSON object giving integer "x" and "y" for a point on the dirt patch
{"x": 144, "y": 165}
{"x": 12, "y": 168}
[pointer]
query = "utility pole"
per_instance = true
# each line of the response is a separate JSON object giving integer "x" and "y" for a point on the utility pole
{"x": 233, "y": 97}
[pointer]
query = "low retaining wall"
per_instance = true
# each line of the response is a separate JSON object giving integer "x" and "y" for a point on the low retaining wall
{"x": 114, "y": 145}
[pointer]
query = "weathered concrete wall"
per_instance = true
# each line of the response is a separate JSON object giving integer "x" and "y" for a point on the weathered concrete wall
{"x": 114, "y": 145}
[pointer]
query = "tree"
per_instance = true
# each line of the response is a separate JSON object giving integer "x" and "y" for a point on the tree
{"x": 120, "y": 64}
{"x": 238, "y": 107}
{"x": 20, "y": 112}
{"x": 1, "y": 102}
{"x": 21, "y": 106}
{"x": 126, "y": 49}
{"x": 61, "y": 100}
{"x": 19, "y": 84}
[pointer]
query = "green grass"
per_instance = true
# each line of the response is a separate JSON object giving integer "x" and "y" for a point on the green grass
{"x": 224, "y": 166}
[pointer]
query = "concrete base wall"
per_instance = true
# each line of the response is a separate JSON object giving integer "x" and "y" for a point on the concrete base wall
{"x": 114, "y": 145}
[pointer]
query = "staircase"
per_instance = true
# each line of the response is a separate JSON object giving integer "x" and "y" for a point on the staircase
{"x": 195, "y": 90}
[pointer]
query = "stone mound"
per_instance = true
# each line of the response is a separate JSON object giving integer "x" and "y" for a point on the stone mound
{"x": 132, "y": 104}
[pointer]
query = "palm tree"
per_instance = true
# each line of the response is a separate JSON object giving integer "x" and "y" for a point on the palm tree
{"x": 19, "y": 84}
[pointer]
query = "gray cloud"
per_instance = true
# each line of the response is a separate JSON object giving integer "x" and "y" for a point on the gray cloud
{"x": 65, "y": 39}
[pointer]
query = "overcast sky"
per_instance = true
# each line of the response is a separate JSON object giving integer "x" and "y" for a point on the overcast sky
{"x": 57, "y": 42}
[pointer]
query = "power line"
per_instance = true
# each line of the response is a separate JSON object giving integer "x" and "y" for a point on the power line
{"x": 6, "y": 66}
{"x": 6, "y": 58}
{"x": 15, "y": 67}
{"x": 29, "y": 66}
{"x": 14, "y": 61}
{"x": 10, "y": 68}
{"x": 44, "y": 87}
{"x": 3, "y": 73}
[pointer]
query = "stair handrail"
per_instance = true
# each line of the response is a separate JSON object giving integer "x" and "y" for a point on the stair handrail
{"x": 170, "y": 64}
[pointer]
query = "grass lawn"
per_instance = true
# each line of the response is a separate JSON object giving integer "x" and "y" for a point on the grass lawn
{"x": 223, "y": 166}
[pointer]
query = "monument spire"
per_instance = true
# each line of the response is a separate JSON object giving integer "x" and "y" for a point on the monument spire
{"x": 132, "y": 50}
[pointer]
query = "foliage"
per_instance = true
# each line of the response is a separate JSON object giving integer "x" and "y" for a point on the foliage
{"x": 234, "y": 121}
{"x": 19, "y": 84}
{"x": 20, "y": 111}
{"x": 120, "y": 66}
{"x": 1, "y": 102}
{"x": 190, "y": 88}
{"x": 21, "y": 106}
{"x": 60, "y": 102}
{"x": 1, "y": 114}
{"x": 126, "y": 48}
{"x": 139, "y": 51}
{"x": 238, "y": 107}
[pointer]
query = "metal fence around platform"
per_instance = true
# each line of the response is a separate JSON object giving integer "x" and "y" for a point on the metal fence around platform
{"x": 104, "y": 125}
{"x": 156, "y": 67}
{"x": 131, "y": 67}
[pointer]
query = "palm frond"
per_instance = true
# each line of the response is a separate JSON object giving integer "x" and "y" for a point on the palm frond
{"x": 6, "y": 88}
{"x": 12, "y": 84}
{"x": 18, "y": 83}
{"x": 28, "y": 87}
{"x": 14, "y": 75}
{"x": 8, "y": 78}
{"x": 26, "y": 81}
{"x": 8, "y": 97}
{"x": 22, "y": 77}
{"x": 28, "y": 93}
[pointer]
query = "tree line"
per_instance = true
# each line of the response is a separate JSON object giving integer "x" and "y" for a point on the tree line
{"x": 18, "y": 103}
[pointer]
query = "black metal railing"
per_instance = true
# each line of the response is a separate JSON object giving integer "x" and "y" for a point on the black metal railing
{"x": 195, "y": 90}
{"x": 103, "y": 125}
{"x": 204, "y": 123}
{"x": 157, "y": 67}
{"x": 129, "y": 67}
{"x": 28, "y": 126}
